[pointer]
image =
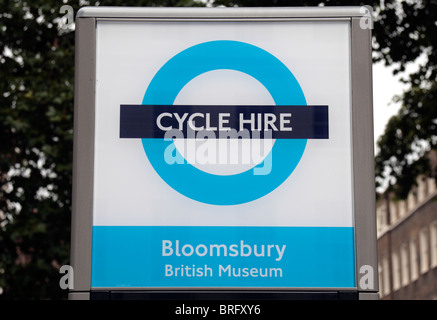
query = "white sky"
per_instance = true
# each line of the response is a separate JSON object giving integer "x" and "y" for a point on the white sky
{"x": 385, "y": 87}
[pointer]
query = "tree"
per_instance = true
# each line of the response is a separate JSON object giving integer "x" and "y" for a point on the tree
{"x": 36, "y": 125}
{"x": 406, "y": 32}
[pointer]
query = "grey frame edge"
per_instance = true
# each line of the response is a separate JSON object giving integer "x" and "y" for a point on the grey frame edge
{"x": 363, "y": 156}
{"x": 220, "y": 12}
{"x": 83, "y": 155}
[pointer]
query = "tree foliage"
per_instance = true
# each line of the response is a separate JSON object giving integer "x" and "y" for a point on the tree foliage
{"x": 405, "y": 33}
{"x": 35, "y": 163}
{"x": 36, "y": 123}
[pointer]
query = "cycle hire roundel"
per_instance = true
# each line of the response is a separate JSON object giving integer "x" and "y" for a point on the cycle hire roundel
{"x": 255, "y": 62}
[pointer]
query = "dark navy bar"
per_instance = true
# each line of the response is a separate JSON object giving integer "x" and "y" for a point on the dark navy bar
{"x": 307, "y": 122}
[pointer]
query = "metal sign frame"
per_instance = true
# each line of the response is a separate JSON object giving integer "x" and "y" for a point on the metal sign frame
{"x": 362, "y": 147}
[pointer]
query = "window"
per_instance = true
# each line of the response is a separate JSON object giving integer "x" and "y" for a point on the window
{"x": 380, "y": 280}
{"x": 433, "y": 249}
{"x": 393, "y": 211}
{"x": 424, "y": 251}
{"x": 385, "y": 277}
{"x": 396, "y": 271}
{"x": 421, "y": 189}
{"x": 431, "y": 185}
{"x": 381, "y": 213}
{"x": 402, "y": 208}
{"x": 414, "y": 268}
{"x": 411, "y": 200}
{"x": 405, "y": 270}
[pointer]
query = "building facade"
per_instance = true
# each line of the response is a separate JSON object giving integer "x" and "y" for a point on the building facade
{"x": 407, "y": 244}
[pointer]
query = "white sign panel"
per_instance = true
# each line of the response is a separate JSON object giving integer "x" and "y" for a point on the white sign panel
{"x": 223, "y": 155}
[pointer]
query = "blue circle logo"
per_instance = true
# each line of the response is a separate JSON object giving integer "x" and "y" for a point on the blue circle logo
{"x": 231, "y": 55}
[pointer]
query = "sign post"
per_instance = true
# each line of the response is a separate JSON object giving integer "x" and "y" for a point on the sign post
{"x": 223, "y": 152}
